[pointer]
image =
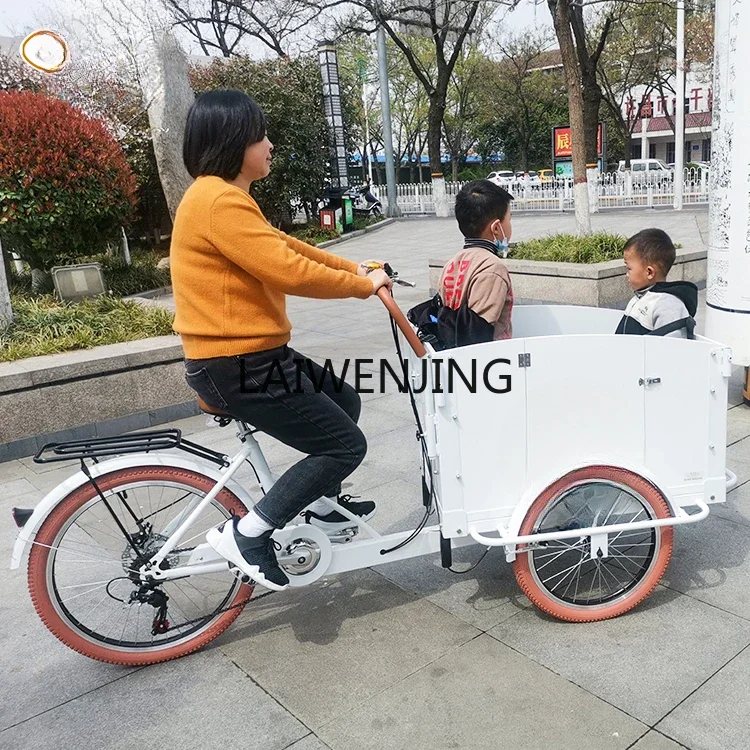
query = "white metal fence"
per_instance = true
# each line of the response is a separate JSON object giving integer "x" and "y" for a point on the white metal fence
{"x": 612, "y": 190}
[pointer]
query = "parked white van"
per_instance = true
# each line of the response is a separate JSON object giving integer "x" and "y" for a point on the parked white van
{"x": 647, "y": 170}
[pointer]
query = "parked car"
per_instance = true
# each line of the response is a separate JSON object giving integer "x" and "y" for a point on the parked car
{"x": 504, "y": 178}
{"x": 647, "y": 170}
{"x": 528, "y": 179}
{"x": 546, "y": 176}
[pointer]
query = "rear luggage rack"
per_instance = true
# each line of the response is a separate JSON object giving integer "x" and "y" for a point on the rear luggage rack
{"x": 135, "y": 442}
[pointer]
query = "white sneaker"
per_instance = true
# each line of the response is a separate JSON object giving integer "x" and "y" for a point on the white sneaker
{"x": 253, "y": 555}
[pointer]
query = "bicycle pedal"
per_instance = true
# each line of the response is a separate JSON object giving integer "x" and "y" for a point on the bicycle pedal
{"x": 342, "y": 536}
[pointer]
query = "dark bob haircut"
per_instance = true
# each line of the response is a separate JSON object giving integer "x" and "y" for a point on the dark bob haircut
{"x": 220, "y": 126}
{"x": 478, "y": 203}
{"x": 654, "y": 247}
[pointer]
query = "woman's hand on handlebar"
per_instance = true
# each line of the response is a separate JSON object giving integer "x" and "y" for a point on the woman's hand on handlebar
{"x": 379, "y": 278}
{"x": 363, "y": 269}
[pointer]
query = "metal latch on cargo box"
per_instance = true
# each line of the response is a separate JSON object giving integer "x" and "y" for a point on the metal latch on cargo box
{"x": 524, "y": 360}
{"x": 649, "y": 381}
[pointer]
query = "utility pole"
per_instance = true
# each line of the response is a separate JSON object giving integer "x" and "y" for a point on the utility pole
{"x": 679, "y": 140}
{"x": 390, "y": 171}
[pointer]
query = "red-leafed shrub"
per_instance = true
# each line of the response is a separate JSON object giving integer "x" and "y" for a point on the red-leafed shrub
{"x": 65, "y": 187}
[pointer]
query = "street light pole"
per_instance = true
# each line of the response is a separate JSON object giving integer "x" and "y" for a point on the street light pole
{"x": 679, "y": 141}
{"x": 390, "y": 170}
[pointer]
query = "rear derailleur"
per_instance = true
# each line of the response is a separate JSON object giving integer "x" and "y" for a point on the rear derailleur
{"x": 146, "y": 594}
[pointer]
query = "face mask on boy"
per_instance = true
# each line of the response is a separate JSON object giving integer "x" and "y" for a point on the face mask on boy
{"x": 501, "y": 245}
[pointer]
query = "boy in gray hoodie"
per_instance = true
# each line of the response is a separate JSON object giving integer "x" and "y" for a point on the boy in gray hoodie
{"x": 476, "y": 276}
{"x": 659, "y": 307}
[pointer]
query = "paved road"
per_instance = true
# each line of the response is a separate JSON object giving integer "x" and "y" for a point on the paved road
{"x": 407, "y": 655}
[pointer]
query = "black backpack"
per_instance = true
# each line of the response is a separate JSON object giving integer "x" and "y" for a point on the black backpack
{"x": 444, "y": 328}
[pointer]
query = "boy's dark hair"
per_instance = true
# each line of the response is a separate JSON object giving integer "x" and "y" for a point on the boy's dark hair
{"x": 478, "y": 203}
{"x": 653, "y": 246}
{"x": 220, "y": 126}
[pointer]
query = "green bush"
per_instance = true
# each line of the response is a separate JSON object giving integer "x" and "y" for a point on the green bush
{"x": 44, "y": 325}
{"x": 596, "y": 248}
{"x": 65, "y": 187}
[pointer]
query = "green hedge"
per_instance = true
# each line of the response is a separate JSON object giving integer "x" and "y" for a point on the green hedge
{"x": 596, "y": 248}
{"x": 43, "y": 325}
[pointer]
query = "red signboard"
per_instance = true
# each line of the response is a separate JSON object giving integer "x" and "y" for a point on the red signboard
{"x": 562, "y": 142}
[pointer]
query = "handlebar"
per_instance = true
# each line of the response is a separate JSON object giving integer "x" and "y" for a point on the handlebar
{"x": 398, "y": 316}
{"x": 401, "y": 321}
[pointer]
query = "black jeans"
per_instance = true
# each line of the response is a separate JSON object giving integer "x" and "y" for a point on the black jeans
{"x": 293, "y": 399}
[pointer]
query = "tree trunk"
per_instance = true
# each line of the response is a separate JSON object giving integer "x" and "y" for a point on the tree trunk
{"x": 592, "y": 98}
{"x": 560, "y": 17}
{"x": 454, "y": 167}
{"x": 434, "y": 131}
{"x": 434, "y": 137}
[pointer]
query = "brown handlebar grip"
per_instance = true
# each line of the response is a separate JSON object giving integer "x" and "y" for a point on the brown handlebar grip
{"x": 401, "y": 321}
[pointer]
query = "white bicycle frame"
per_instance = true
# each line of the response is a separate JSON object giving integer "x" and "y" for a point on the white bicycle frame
{"x": 368, "y": 552}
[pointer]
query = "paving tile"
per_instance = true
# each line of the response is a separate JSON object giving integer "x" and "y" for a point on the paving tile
{"x": 644, "y": 662}
{"x": 484, "y": 596}
{"x": 654, "y": 740}
{"x": 710, "y": 563}
{"x": 13, "y": 469}
{"x": 738, "y": 459}
{"x": 355, "y": 636}
{"x": 737, "y": 505}
{"x": 738, "y": 424}
{"x": 311, "y": 742}
{"x": 482, "y": 696}
{"x": 715, "y": 716}
{"x": 16, "y": 487}
{"x": 201, "y": 701}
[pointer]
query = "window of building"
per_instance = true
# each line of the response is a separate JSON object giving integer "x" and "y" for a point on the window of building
{"x": 652, "y": 151}
{"x": 670, "y": 153}
{"x": 635, "y": 150}
{"x": 706, "y": 149}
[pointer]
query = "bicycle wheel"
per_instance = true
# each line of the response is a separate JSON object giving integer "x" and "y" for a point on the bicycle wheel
{"x": 561, "y": 578}
{"x": 82, "y": 568}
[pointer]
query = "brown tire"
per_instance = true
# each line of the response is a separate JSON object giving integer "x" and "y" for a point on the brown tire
{"x": 656, "y": 552}
{"x": 63, "y": 629}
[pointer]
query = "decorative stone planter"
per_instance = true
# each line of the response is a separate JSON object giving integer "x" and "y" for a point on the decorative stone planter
{"x": 589, "y": 284}
{"x": 95, "y": 392}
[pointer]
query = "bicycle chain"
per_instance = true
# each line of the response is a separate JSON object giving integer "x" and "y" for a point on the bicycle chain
{"x": 219, "y": 611}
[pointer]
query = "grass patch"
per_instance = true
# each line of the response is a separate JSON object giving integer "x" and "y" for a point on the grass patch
{"x": 567, "y": 248}
{"x": 43, "y": 325}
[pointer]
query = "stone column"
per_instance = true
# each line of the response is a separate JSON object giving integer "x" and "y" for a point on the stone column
{"x": 167, "y": 95}
{"x": 728, "y": 273}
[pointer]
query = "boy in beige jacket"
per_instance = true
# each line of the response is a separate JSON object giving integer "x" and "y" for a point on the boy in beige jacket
{"x": 476, "y": 276}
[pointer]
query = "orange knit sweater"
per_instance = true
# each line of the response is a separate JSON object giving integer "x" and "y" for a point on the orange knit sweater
{"x": 231, "y": 272}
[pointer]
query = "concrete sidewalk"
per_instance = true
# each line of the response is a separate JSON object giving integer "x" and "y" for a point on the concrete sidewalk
{"x": 406, "y": 655}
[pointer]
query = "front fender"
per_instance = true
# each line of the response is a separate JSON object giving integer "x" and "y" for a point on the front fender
{"x": 52, "y": 499}
{"x": 534, "y": 490}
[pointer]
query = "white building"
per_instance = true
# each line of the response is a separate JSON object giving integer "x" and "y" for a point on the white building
{"x": 653, "y": 133}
